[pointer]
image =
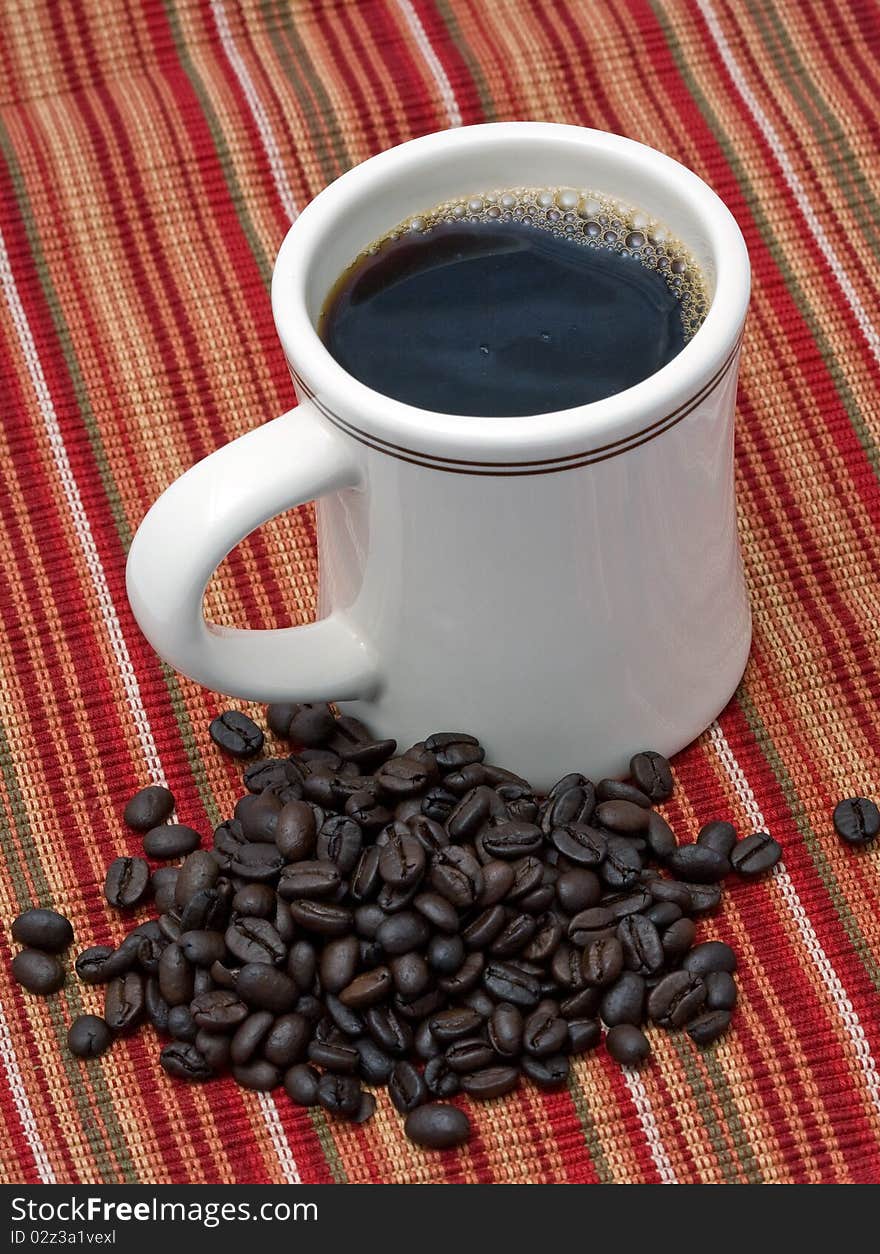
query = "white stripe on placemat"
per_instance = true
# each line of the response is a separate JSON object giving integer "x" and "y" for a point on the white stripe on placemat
{"x": 22, "y": 1104}
{"x": 258, "y": 112}
{"x": 433, "y": 62}
{"x": 781, "y": 877}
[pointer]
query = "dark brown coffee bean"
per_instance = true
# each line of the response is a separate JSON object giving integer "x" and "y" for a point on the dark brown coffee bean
{"x": 435, "y": 1125}
{"x": 410, "y": 974}
{"x": 484, "y": 928}
{"x": 258, "y": 861}
{"x": 367, "y": 755}
{"x": 258, "y": 816}
{"x": 404, "y": 777}
{"x": 602, "y": 962}
{"x": 856, "y": 820}
{"x": 126, "y": 882}
{"x": 278, "y": 716}
{"x": 624, "y": 1000}
{"x": 286, "y": 1041}
{"x": 403, "y": 932}
{"x": 584, "y": 1003}
{"x": 624, "y": 817}
{"x": 124, "y": 1002}
{"x": 678, "y": 938}
{"x": 220, "y": 1010}
{"x": 438, "y": 803}
{"x": 258, "y": 1074}
{"x": 38, "y": 972}
{"x": 198, "y": 873}
{"x": 505, "y": 982}
{"x": 633, "y": 901}
{"x": 181, "y": 1025}
{"x": 175, "y": 976}
{"x": 456, "y": 875}
{"x": 301, "y": 1085}
{"x": 512, "y": 839}
{"x": 588, "y": 924}
{"x": 704, "y": 897}
{"x": 720, "y": 990}
{"x": 339, "y": 961}
{"x": 170, "y": 840}
{"x": 677, "y": 999}
{"x": 653, "y": 775}
{"x": 184, "y": 1062}
{"x": 406, "y": 1087}
{"x": 708, "y": 1027}
{"x": 698, "y": 863}
{"x": 272, "y": 775}
{"x": 468, "y": 1055}
{"x": 311, "y": 725}
{"x": 155, "y": 1005}
{"x": 309, "y": 880}
{"x": 322, "y": 917}
{"x": 43, "y": 929}
{"x": 149, "y": 807}
{"x": 671, "y": 890}
{"x": 660, "y": 837}
{"x": 642, "y": 949}
{"x": 571, "y": 800}
{"x": 265, "y": 988}
{"x": 617, "y": 790}
{"x": 208, "y": 909}
{"x": 622, "y": 864}
{"x": 506, "y": 1030}
{"x": 580, "y": 843}
{"x": 91, "y": 964}
{"x": 296, "y": 831}
{"x": 547, "y": 1073}
{"x": 476, "y": 806}
{"x": 388, "y": 1030}
{"x": 577, "y": 890}
{"x": 439, "y": 912}
{"x": 89, "y": 1036}
{"x": 453, "y": 750}
{"x": 513, "y": 938}
{"x": 334, "y": 1056}
{"x": 445, "y": 954}
{"x": 490, "y": 1082}
{"x": 583, "y": 1035}
{"x": 627, "y": 1045}
{"x": 719, "y": 836}
{"x": 367, "y": 989}
{"x": 236, "y": 734}
{"x": 255, "y": 940}
{"x": 340, "y": 841}
{"x": 662, "y": 914}
{"x": 545, "y": 941}
{"x": 450, "y": 1025}
{"x": 215, "y": 1049}
{"x": 255, "y": 901}
{"x": 402, "y": 859}
{"x": 710, "y": 956}
{"x": 163, "y": 884}
{"x": 465, "y": 978}
{"x": 565, "y": 966}
{"x": 755, "y": 855}
{"x": 545, "y": 1033}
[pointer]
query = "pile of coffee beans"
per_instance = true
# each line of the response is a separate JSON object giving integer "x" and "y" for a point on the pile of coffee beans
{"x": 420, "y": 920}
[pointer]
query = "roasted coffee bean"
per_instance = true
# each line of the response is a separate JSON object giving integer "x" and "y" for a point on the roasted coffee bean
{"x": 482, "y": 930}
{"x": 720, "y": 990}
{"x": 456, "y": 875}
{"x": 676, "y": 1000}
{"x": 339, "y": 1094}
{"x": 506, "y": 1030}
{"x": 255, "y": 940}
{"x": 296, "y": 831}
{"x": 710, "y": 956}
{"x": 236, "y": 734}
{"x": 619, "y": 790}
{"x": 271, "y": 775}
{"x": 415, "y": 1008}
{"x": 369, "y": 754}
{"x": 438, "y": 803}
{"x": 202, "y": 982}
{"x": 437, "y": 1126}
{"x": 89, "y": 1036}
{"x": 627, "y": 1044}
{"x": 208, "y": 909}
{"x": 264, "y": 988}
{"x": 438, "y": 911}
{"x": 170, "y": 841}
{"x": 126, "y": 882}
{"x": 258, "y": 1074}
{"x": 476, "y": 806}
{"x": 588, "y": 925}
{"x": 490, "y": 1082}
{"x": 512, "y": 838}
{"x": 258, "y": 816}
{"x": 402, "y": 859}
{"x": 286, "y": 1040}
{"x": 340, "y": 841}
{"x": 228, "y": 839}
{"x": 468, "y": 1055}
{"x": 392, "y": 900}
{"x": 404, "y": 777}
{"x": 509, "y": 983}
{"x": 334, "y": 1056}
{"x": 453, "y": 750}
{"x": 410, "y": 974}
{"x": 199, "y": 873}
{"x": 440, "y": 1079}
{"x": 43, "y": 929}
{"x": 662, "y": 914}
{"x": 624, "y": 817}
{"x": 755, "y": 855}
{"x": 580, "y": 843}
{"x": 223, "y": 976}
{"x": 339, "y": 961}
{"x": 466, "y": 779}
{"x": 571, "y": 800}
{"x": 671, "y": 890}
{"x": 91, "y": 964}
{"x": 584, "y": 1003}
{"x": 175, "y": 976}
{"x": 254, "y": 901}
{"x": 698, "y": 863}
{"x": 368, "y": 919}
{"x": 708, "y": 1027}
{"x": 498, "y": 880}
{"x": 565, "y": 966}
{"x": 622, "y": 863}
{"x": 322, "y": 917}
{"x": 148, "y": 808}
{"x": 513, "y": 938}
{"x": 546, "y": 938}
{"x": 632, "y": 901}
{"x": 38, "y": 972}
{"x": 583, "y": 1035}
{"x": 403, "y": 932}
{"x": 652, "y": 774}
{"x": 258, "y": 861}
{"x": 310, "y": 724}
{"x": 856, "y": 820}
{"x": 169, "y": 926}
{"x": 184, "y": 1062}
{"x": 181, "y": 1025}
{"x": 545, "y": 1032}
{"x": 218, "y": 1011}
{"x": 278, "y": 716}
{"x": 215, "y": 1049}
{"x": 624, "y": 1000}
{"x": 388, "y": 1030}
{"x": 719, "y": 836}
{"x": 445, "y": 954}
{"x": 704, "y": 897}
{"x": 406, "y": 1087}
{"x": 374, "y": 1065}
{"x": 248, "y": 1036}
{"x": 528, "y": 874}
{"x": 424, "y": 1044}
{"x": 155, "y": 1005}
{"x": 309, "y": 880}
{"x": 367, "y": 989}
{"x": 659, "y": 836}
{"x": 163, "y": 884}
{"x": 642, "y": 948}
{"x": 301, "y": 1085}
{"x": 577, "y": 890}
{"x": 124, "y": 1002}
{"x": 602, "y": 961}
{"x": 678, "y": 938}
{"x": 450, "y": 1025}
{"x": 547, "y": 1073}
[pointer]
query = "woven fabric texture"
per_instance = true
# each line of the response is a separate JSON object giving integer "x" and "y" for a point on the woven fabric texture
{"x": 151, "y": 158}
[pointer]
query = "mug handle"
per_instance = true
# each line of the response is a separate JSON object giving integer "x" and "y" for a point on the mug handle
{"x": 199, "y": 519}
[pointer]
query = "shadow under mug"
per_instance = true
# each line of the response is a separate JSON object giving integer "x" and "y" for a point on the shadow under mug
{"x": 566, "y": 586}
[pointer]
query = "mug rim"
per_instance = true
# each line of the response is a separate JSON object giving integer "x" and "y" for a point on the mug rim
{"x": 556, "y": 439}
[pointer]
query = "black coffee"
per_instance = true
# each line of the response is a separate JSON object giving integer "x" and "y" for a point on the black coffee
{"x": 520, "y": 302}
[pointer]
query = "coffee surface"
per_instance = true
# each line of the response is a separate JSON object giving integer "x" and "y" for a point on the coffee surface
{"x": 490, "y": 308}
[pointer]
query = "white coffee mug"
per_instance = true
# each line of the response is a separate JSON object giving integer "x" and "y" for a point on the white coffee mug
{"x": 567, "y": 586}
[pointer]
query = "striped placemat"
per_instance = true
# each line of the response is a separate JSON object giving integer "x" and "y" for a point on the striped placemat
{"x": 151, "y": 158}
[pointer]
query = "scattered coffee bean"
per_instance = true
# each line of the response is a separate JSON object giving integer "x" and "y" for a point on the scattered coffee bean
{"x": 699, "y": 863}
{"x": 627, "y": 1045}
{"x": 236, "y": 734}
{"x": 719, "y": 836}
{"x": 89, "y": 1036}
{"x": 148, "y": 808}
{"x": 708, "y": 1027}
{"x": 755, "y": 855}
{"x": 38, "y": 972}
{"x": 720, "y": 990}
{"x": 437, "y": 1126}
{"x": 710, "y": 956}
{"x": 856, "y": 820}
{"x": 126, "y": 882}
{"x": 43, "y": 929}
{"x": 170, "y": 840}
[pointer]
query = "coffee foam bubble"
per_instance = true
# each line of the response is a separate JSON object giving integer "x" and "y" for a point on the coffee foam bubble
{"x": 588, "y": 219}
